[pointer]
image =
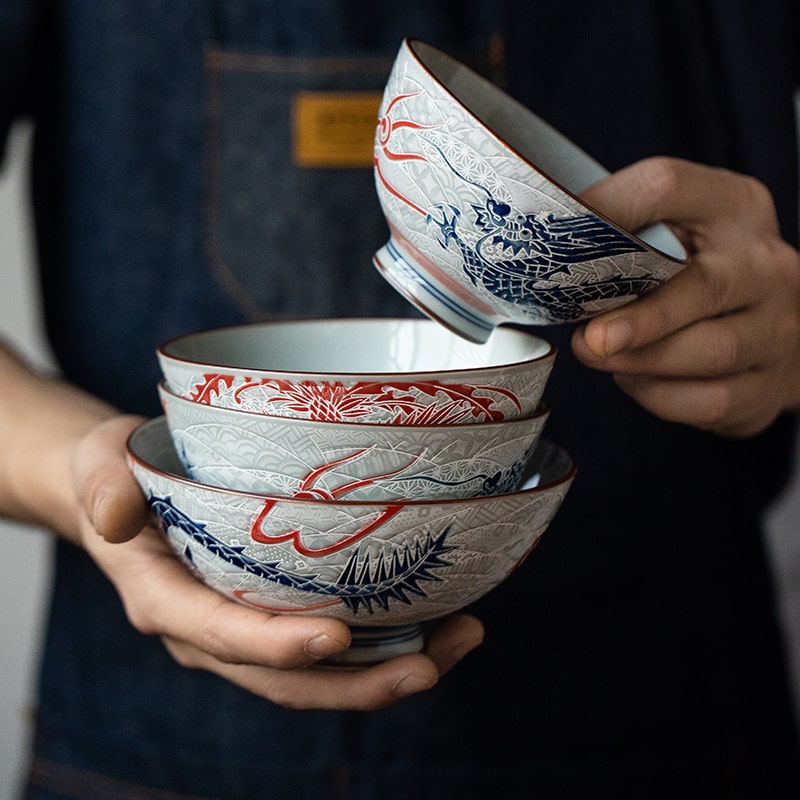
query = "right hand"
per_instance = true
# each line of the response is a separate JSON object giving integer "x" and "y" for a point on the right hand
{"x": 269, "y": 655}
{"x": 718, "y": 345}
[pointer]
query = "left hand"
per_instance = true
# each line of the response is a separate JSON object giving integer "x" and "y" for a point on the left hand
{"x": 718, "y": 345}
{"x": 274, "y": 656}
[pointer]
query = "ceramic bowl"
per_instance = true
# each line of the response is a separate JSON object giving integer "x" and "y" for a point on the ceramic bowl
{"x": 481, "y": 199}
{"x": 382, "y": 568}
{"x": 398, "y": 371}
{"x": 348, "y": 460}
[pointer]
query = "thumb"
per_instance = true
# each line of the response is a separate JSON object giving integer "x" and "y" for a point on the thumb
{"x": 649, "y": 191}
{"x": 107, "y": 490}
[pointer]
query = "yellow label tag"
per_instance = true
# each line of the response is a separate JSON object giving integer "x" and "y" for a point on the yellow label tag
{"x": 334, "y": 129}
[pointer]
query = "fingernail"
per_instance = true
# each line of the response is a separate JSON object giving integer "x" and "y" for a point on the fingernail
{"x": 323, "y": 645}
{"x": 411, "y": 684}
{"x": 618, "y": 335}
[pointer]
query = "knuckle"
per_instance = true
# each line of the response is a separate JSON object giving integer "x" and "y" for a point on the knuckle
{"x": 757, "y": 195}
{"x": 660, "y": 175}
{"x": 286, "y": 698}
{"x": 715, "y": 288}
{"x": 142, "y": 616}
{"x": 787, "y": 261}
{"x": 726, "y": 350}
{"x": 659, "y": 318}
{"x": 210, "y": 641}
{"x": 182, "y": 655}
{"x": 787, "y": 329}
{"x": 716, "y": 411}
{"x": 211, "y": 637}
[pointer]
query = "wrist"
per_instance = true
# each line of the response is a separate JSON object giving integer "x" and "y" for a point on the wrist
{"x": 42, "y": 419}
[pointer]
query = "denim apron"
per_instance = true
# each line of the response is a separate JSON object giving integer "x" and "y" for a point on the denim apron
{"x": 177, "y": 193}
{"x": 189, "y": 199}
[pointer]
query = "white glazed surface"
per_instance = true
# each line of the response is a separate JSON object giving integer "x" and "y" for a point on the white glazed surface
{"x": 480, "y": 235}
{"x": 403, "y": 371}
{"x": 367, "y": 564}
{"x": 305, "y": 458}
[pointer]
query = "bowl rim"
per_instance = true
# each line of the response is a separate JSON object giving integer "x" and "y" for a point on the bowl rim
{"x": 163, "y": 354}
{"x": 160, "y": 422}
{"x": 540, "y": 413}
{"x": 409, "y": 43}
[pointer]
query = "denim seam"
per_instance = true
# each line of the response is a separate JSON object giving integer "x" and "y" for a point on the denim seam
{"x": 217, "y": 62}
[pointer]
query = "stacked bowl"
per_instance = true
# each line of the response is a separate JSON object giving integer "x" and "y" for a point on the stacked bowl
{"x": 383, "y": 471}
{"x": 390, "y": 472}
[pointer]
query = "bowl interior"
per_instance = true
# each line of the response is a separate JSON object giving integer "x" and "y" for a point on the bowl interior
{"x": 353, "y": 346}
{"x": 531, "y": 137}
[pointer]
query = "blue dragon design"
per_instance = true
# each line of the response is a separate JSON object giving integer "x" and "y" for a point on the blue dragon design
{"x": 537, "y": 250}
{"x": 363, "y": 583}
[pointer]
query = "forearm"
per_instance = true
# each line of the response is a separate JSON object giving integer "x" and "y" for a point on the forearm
{"x": 41, "y": 420}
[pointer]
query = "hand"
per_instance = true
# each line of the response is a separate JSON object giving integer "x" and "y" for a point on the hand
{"x": 718, "y": 345}
{"x": 270, "y": 655}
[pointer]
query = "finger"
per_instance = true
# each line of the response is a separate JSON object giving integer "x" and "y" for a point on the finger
{"x": 328, "y": 688}
{"x": 715, "y": 347}
{"x": 731, "y": 407}
{"x": 163, "y": 598}
{"x": 697, "y": 292}
{"x": 109, "y": 494}
{"x": 699, "y": 198}
{"x": 451, "y": 639}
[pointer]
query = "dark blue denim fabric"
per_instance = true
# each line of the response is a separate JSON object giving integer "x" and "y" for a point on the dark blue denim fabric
{"x": 636, "y": 653}
{"x": 180, "y": 192}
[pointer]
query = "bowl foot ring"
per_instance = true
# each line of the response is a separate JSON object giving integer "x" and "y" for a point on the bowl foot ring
{"x": 371, "y": 645}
